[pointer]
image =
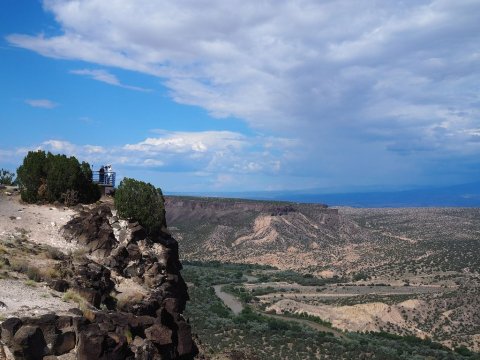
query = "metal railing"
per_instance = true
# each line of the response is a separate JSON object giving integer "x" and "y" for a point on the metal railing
{"x": 104, "y": 178}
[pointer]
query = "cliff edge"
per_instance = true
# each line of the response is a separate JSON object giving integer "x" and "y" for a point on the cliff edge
{"x": 127, "y": 297}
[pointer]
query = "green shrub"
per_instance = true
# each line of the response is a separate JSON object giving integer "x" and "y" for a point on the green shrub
{"x": 31, "y": 174}
{"x": 49, "y": 177}
{"x": 6, "y": 177}
{"x": 463, "y": 350}
{"x": 141, "y": 202}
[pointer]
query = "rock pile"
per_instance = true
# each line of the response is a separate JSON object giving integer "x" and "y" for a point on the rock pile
{"x": 282, "y": 210}
{"x": 150, "y": 328}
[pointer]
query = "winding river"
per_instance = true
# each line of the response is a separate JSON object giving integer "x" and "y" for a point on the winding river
{"x": 229, "y": 300}
{"x": 236, "y": 306}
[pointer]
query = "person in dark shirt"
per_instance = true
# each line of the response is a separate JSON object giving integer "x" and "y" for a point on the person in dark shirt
{"x": 101, "y": 177}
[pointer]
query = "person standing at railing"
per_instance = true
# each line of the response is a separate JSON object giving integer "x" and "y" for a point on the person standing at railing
{"x": 101, "y": 175}
{"x": 109, "y": 174}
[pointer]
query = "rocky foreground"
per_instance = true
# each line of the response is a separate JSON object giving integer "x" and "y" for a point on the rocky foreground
{"x": 129, "y": 294}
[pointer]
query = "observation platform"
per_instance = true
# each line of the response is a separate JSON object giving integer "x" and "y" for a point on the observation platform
{"x": 106, "y": 180}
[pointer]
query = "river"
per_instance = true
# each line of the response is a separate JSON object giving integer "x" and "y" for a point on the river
{"x": 236, "y": 306}
{"x": 229, "y": 300}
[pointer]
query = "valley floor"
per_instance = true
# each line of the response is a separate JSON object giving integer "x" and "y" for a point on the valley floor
{"x": 406, "y": 271}
{"x": 291, "y": 334}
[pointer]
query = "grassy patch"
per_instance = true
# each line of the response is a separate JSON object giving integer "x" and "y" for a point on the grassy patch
{"x": 21, "y": 266}
{"x": 73, "y": 296}
{"x": 30, "y": 283}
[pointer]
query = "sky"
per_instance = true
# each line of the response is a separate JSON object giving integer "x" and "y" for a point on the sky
{"x": 207, "y": 96}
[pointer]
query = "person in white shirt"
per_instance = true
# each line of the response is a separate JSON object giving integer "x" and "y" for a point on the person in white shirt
{"x": 108, "y": 174}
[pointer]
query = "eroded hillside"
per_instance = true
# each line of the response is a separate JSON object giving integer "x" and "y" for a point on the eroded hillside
{"x": 314, "y": 238}
{"x": 253, "y": 232}
{"x": 405, "y": 271}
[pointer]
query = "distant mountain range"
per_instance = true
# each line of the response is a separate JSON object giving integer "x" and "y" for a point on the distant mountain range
{"x": 465, "y": 195}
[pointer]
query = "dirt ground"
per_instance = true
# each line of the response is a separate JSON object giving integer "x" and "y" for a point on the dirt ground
{"x": 20, "y": 298}
{"x": 39, "y": 224}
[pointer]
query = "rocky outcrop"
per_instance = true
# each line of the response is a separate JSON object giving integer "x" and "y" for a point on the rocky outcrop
{"x": 89, "y": 279}
{"x": 34, "y": 338}
{"x": 282, "y": 210}
{"x": 93, "y": 231}
{"x": 148, "y": 328}
{"x": 103, "y": 335}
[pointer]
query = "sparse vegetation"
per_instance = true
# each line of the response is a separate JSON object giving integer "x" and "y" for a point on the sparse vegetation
{"x": 291, "y": 276}
{"x": 36, "y": 262}
{"x": 427, "y": 258}
{"x": 128, "y": 335}
{"x": 223, "y": 333}
{"x": 304, "y": 315}
{"x": 22, "y": 266}
{"x": 6, "y": 177}
{"x": 73, "y": 296}
{"x": 3, "y": 250}
{"x": 31, "y": 283}
{"x": 54, "y": 253}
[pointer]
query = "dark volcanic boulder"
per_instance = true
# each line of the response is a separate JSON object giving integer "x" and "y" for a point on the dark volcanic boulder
{"x": 137, "y": 231}
{"x": 8, "y": 329}
{"x": 90, "y": 343}
{"x": 88, "y": 278}
{"x": 159, "y": 334}
{"x": 93, "y": 231}
{"x": 29, "y": 343}
{"x": 64, "y": 343}
{"x": 48, "y": 325}
{"x": 95, "y": 343}
{"x": 185, "y": 344}
{"x": 60, "y": 285}
{"x": 32, "y": 338}
{"x": 95, "y": 283}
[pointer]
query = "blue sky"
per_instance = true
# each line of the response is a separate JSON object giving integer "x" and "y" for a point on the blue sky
{"x": 202, "y": 96}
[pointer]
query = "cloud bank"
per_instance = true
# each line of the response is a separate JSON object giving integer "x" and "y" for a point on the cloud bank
{"x": 211, "y": 156}
{"x": 376, "y": 91}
